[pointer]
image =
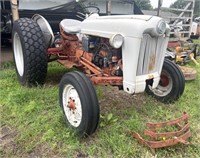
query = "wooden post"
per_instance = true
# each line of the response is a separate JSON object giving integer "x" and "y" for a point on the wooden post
{"x": 191, "y": 15}
{"x": 109, "y": 7}
{"x": 14, "y": 8}
{"x": 159, "y": 5}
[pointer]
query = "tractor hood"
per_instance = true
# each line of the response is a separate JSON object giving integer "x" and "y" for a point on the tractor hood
{"x": 128, "y": 17}
{"x": 126, "y": 25}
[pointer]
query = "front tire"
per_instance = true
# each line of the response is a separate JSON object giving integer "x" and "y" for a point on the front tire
{"x": 30, "y": 53}
{"x": 172, "y": 83}
{"x": 79, "y": 103}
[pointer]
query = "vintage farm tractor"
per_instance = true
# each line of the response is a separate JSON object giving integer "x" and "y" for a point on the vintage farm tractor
{"x": 127, "y": 51}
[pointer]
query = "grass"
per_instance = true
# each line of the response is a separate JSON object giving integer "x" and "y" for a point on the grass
{"x": 32, "y": 123}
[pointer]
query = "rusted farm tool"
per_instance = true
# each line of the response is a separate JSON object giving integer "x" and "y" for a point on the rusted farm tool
{"x": 185, "y": 55}
{"x": 164, "y": 139}
{"x": 185, "y": 51}
{"x": 188, "y": 72}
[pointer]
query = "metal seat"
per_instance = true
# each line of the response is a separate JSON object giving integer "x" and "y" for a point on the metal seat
{"x": 71, "y": 26}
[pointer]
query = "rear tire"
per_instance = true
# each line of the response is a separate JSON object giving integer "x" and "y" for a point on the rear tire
{"x": 79, "y": 103}
{"x": 172, "y": 83}
{"x": 30, "y": 52}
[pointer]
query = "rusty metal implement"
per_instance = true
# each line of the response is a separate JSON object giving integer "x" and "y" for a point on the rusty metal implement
{"x": 164, "y": 139}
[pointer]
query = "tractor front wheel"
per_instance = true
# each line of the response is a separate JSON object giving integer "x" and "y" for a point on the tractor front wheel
{"x": 79, "y": 103}
{"x": 171, "y": 85}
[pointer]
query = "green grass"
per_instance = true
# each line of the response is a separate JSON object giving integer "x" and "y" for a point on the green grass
{"x": 37, "y": 126}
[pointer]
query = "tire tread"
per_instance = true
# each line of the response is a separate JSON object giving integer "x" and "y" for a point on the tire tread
{"x": 34, "y": 51}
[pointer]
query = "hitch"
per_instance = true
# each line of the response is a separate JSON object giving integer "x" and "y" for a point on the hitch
{"x": 164, "y": 139}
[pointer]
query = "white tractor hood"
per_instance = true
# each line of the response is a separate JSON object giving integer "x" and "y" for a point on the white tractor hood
{"x": 126, "y": 25}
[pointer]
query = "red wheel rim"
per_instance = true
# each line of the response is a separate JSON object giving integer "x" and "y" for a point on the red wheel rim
{"x": 164, "y": 80}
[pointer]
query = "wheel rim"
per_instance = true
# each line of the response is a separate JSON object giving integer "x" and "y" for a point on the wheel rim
{"x": 18, "y": 54}
{"x": 72, "y": 105}
{"x": 57, "y": 40}
{"x": 165, "y": 85}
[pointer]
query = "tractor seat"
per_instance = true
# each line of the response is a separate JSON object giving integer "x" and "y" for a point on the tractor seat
{"x": 71, "y": 26}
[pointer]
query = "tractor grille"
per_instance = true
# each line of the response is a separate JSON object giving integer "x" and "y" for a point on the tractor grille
{"x": 152, "y": 52}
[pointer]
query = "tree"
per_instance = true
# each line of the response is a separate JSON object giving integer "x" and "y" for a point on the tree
{"x": 197, "y": 8}
{"x": 144, "y": 4}
{"x": 178, "y": 4}
{"x": 182, "y": 3}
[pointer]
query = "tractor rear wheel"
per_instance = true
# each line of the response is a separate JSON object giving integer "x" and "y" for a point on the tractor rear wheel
{"x": 79, "y": 103}
{"x": 30, "y": 52}
{"x": 171, "y": 85}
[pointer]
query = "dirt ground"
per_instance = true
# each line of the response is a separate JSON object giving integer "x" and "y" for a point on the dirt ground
{"x": 6, "y": 53}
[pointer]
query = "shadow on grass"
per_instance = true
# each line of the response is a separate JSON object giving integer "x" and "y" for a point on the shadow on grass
{"x": 53, "y": 78}
{"x": 55, "y": 73}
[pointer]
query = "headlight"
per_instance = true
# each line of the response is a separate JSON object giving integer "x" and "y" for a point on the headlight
{"x": 161, "y": 27}
{"x": 116, "y": 41}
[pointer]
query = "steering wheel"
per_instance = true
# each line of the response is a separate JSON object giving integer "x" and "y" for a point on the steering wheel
{"x": 96, "y": 9}
{"x": 83, "y": 16}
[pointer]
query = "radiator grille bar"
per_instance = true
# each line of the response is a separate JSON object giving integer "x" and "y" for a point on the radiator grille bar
{"x": 151, "y": 54}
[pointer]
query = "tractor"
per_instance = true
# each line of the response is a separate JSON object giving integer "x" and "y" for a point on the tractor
{"x": 127, "y": 51}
